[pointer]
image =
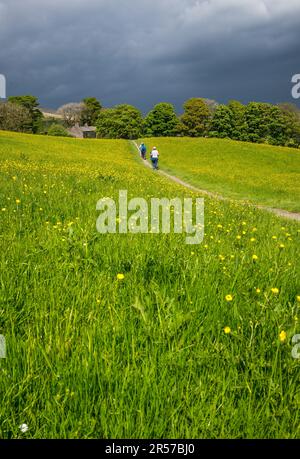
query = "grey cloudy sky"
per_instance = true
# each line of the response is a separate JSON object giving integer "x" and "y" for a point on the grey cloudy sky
{"x": 146, "y": 51}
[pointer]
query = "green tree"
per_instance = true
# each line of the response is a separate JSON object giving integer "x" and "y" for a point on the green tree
{"x": 276, "y": 128}
{"x": 196, "y": 118}
{"x": 121, "y": 122}
{"x": 31, "y": 104}
{"x": 291, "y": 120}
{"x": 221, "y": 125}
{"x": 239, "y": 126}
{"x": 254, "y": 118}
{"x": 161, "y": 121}
{"x": 265, "y": 123}
{"x": 91, "y": 111}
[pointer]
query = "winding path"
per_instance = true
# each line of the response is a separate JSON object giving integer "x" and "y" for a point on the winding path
{"x": 279, "y": 212}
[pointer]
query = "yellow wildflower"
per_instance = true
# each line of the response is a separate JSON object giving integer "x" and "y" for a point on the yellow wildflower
{"x": 282, "y": 336}
{"x": 228, "y": 298}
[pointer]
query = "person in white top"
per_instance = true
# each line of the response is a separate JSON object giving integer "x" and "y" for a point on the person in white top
{"x": 154, "y": 155}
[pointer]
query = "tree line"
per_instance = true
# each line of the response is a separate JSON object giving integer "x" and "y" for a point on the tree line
{"x": 255, "y": 122}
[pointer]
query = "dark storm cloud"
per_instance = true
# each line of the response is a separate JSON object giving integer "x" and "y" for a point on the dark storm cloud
{"x": 143, "y": 52}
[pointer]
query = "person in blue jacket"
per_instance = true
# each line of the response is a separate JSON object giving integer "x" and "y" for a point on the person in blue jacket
{"x": 143, "y": 150}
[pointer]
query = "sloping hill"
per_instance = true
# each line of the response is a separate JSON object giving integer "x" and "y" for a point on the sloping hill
{"x": 262, "y": 174}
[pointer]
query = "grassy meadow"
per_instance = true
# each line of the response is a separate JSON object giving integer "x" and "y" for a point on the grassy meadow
{"x": 187, "y": 342}
{"x": 257, "y": 173}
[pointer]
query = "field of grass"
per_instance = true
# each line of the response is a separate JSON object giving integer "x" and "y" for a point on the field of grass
{"x": 261, "y": 174}
{"x": 194, "y": 342}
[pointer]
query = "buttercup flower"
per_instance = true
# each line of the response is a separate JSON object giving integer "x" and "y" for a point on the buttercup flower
{"x": 227, "y": 330}
{"x": 282, "y": 336}
{"x": 228, "y": 298}
{"x": 120, "y": 276}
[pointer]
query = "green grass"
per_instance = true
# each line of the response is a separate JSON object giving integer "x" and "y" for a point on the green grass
{"x": 89, "y": 356}
{"x": 257, "y": 173}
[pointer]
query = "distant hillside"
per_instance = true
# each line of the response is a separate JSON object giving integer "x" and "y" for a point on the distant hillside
{"x": 49, "y": 113}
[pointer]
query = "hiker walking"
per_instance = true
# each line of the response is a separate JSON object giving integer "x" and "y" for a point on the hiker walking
{"x": 143, "y": 150}
{"x": 154, "y": 157}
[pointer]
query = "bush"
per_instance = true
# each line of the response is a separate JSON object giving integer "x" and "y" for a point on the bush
{"x": 58, "y": 130}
